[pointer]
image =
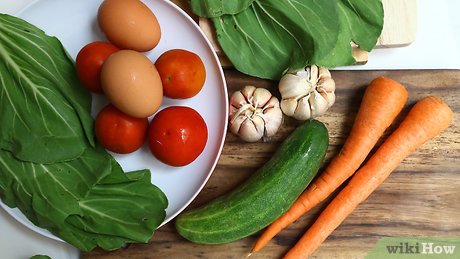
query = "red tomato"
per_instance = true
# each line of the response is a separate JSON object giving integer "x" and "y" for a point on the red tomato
{"x": 89, "y": 63}
{"x": 177, "y": 135}
{"x": 182, "y": 73}
{"x": 119, "y": 132}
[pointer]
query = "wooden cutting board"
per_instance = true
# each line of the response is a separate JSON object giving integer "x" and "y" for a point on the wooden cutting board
{"x": 420, "y": 198}
{"x": 400, "y": 27}
{"x": 400, "y": 23}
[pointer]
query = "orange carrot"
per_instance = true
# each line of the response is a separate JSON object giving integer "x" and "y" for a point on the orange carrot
{"x": 429, "y": 117}
{"x": 381, "y": 103}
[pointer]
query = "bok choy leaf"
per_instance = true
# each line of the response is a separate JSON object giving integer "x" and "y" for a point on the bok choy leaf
{"x": 50, "y": 166}
{"x": 87, "y": 202}
{"x": 45, "y": 112}
{"x": 270, "y": 37}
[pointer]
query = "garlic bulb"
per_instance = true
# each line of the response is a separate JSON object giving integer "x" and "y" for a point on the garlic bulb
{"x": 254, "y": 113}
{"x": 307, "y": 93}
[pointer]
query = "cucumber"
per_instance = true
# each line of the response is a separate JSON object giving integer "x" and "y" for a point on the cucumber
{"x": 265, "y": 196}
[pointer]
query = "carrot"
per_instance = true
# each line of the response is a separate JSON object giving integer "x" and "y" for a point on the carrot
{"x": 426, "y": 119}
{"x": 383, "y": 99}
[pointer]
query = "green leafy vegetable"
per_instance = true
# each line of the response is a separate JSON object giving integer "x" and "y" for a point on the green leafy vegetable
{"x": 45, "y": 114}
{"x": 80, "y": 194}
{"x": 133, "y": 192}
{"x": 364, "y": 19}
{"x": 40, "y": 257}
{"x": 88, "y": 201}
{"x": 53, "y": 184}
{"x": 360, "y": 23}
{"x": 215, "y": 8}
{"x": 270, "y": 37}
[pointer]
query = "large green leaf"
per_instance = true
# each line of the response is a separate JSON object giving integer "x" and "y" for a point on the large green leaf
{"x": 88, "y": 201}
{"x": 215, "y": 8}
{"x": 364, "y": 19}
{"x": 45, "y": 112}
{"x": 51, "y": 191}
{"x": 273, "y": 36}
{"x": 358, "y": 21}
{"x": 270, "y": 36}
{"x": 126, "y": 206}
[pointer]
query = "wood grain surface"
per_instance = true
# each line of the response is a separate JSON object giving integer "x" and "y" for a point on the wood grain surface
{"x": 420, "y": 198}
{"x": 400, "y": 24}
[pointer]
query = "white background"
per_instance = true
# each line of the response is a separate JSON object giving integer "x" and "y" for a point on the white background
{"x": 437, "y": 46}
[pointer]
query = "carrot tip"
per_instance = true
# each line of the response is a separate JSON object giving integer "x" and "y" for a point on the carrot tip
{"x": 249, "y": 255}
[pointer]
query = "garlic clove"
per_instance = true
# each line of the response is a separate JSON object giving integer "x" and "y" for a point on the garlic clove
{"x": 329, "y": 97}
{"x": 326, "y": 84}
{"x": 318, "y": 104}
{"x": 259, "y": 124}
{"x": 238, "y": 99}
{"x": 235, "y": 124}
{"x": 247, "y": 92}
{"x": 272, "y": 103}
{"x": 289, "y": 106}
{"x": 251, "y": 130}
{"x": 302, "y": 111}
{"x": 236, "y": 102}
{"x": 292, "y": 86}
{"x": 326, "y": 87}
{"x": 324, "y": 73}
{"x": 273, "y": 117}
{"x": 261, "y": 96}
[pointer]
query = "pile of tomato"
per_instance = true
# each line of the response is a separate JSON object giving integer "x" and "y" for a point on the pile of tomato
{"x": 176, "y": 135}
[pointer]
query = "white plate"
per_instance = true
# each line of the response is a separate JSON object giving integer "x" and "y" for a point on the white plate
{"x": 74, "y": 24}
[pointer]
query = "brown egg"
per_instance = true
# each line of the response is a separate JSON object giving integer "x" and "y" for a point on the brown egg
{"x": 129, "y": 24}
{"x": 132, "y": 83}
